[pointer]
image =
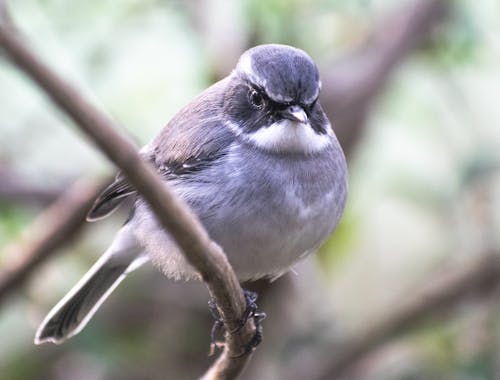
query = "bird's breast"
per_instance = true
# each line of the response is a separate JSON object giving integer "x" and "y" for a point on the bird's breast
{"x": 267, "y": 211}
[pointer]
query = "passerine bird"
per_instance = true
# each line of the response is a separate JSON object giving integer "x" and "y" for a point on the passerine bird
{"x": 254, "y": 156}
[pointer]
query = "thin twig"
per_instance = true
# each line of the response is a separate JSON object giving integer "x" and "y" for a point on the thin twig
{"x": 55, "y": 227}
{"x": 206, "y": 256}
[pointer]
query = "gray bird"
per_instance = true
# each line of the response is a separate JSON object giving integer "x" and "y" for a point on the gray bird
{"x": 256, "y": 159}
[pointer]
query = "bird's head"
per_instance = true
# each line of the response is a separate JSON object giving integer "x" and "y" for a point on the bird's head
{"x": 272, "y": 100}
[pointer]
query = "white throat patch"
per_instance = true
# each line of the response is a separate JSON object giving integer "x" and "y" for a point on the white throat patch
{"x": 290, "y": 136}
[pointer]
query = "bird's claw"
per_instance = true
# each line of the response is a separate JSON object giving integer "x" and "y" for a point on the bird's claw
{"x": 250, "y": 312}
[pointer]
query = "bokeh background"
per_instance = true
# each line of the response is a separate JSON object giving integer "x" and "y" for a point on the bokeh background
{"x": 413, "y": 90}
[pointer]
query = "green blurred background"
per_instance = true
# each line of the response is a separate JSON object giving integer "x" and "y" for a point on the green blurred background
{"x": 424, "y": 182}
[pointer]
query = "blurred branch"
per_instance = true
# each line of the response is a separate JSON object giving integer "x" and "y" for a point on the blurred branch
{"x": 55, "y": 227}
{"x": 205, "y": 256}
{"x": 352, "y": 84}
{"x": 445, "y": 288}
{"x": 3, "y": 11}
{"x": 14, "y": 188}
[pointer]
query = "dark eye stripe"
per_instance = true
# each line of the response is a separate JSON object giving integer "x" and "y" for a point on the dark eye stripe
{"x": 271, "y": 106}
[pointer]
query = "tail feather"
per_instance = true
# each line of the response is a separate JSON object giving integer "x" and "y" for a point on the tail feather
{"x": 73, "y": 312}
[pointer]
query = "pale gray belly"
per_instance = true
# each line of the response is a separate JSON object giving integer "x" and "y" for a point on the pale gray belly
{"x": 272, "y": 235}
{"x": 265, "y": 212}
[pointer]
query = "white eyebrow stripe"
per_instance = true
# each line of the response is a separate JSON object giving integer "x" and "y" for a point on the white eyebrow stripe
{"x": 315, "y": 96}
{"x": 279, "y": 98}
{"x": 245, "y": 67}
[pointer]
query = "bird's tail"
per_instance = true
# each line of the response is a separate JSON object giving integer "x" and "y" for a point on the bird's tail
{"x": 72, "y": 313}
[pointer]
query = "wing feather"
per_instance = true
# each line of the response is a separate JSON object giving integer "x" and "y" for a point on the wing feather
{"x": 111, "y": 197}
{"x": 194, "y": 139}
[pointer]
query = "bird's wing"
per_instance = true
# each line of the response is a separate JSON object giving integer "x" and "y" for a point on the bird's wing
{"x": 191, "y": 141}
{"x": 111, "y": 197}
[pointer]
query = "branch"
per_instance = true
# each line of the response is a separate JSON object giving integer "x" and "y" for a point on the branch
{"x": 55, "y": 227}
{"x": 173, "y": 214}
{"x": 444, "y": 289}
{"x": 353, "y": 83}
{"x": 14, "y": 188}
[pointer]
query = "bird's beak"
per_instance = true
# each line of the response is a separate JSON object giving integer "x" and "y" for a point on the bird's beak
{"x": 295, "y": 113}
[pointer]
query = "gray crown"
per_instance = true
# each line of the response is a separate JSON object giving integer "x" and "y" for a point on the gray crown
{"x": 286, "y": 74}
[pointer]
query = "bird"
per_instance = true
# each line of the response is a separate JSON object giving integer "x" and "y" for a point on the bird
{"x": 255, "y": 158}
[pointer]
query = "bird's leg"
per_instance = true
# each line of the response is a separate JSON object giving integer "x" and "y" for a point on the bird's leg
{"x": 251, "y": 298}
{"x": 250, "y": 312}
{"x": 257, "y": 338}
{"x": 258, "y": 317}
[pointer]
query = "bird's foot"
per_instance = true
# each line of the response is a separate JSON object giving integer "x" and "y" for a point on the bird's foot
{"x": 257, "y": 337}
{"x": 250, "y": 312}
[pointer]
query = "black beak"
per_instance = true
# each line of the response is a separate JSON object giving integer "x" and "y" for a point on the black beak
{"x": 295, "y": 113}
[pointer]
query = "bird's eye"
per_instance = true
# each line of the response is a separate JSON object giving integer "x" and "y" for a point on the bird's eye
{"x": 256, "y": 99}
